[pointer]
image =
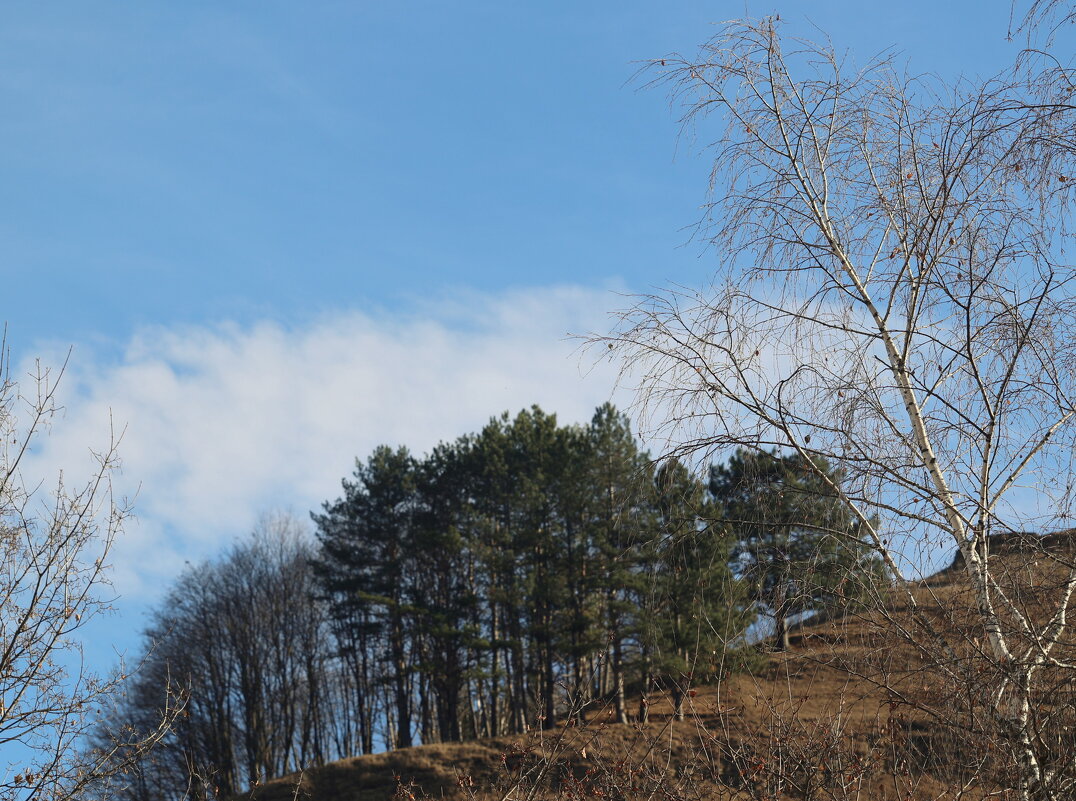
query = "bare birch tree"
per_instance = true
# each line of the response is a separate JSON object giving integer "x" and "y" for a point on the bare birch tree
{"x": 892, "y": 297}
{"x": 54, "y": 548}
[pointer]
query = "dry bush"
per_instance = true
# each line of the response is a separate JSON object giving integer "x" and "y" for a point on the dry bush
{"x": 55, "y": 542}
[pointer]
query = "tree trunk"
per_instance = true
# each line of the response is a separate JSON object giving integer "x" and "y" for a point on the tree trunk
{"x": 780, "y": 618}
{"x": 549, "y": 701}
{"x": 678, "y": 701}
{"x": 494, "y": 680}
{"x": 519, "y": 689}
{"x": 403, "y": 699}
{"x": 426, "y": 725}
{"x": 618, "y": 681}
{"x": 780, "y": 636}
{"x": 644, "y": 696}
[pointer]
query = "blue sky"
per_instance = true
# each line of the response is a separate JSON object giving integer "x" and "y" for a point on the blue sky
{"x": 277, "y": 234}
{"x": 186, "y": 163}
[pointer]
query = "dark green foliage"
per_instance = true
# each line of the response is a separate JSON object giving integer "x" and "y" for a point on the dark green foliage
{"x": 797, "y": 546}
{"x": 698, "y": 610}
{"x": 617, "y": 480}
{"x": 501, "y": 583}
{"x": 441, "y": 597}
{"x": 521, "y": 574}
{"x": 368, "y": 542}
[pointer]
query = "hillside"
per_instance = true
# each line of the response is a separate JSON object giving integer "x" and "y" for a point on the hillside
{"x": 794, "y": 698}
{"x": 850, "y": 711}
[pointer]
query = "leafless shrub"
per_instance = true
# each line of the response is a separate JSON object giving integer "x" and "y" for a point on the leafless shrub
{"x": 54, "y": 548}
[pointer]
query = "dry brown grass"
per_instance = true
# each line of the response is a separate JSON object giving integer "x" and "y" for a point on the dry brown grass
{"x": 850, "y": 712}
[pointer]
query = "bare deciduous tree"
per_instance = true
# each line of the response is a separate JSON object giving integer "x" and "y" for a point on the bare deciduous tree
{"x": 247, "y": 646}
{"x": 892, "y": 297}
{"x": 54, "y": 547}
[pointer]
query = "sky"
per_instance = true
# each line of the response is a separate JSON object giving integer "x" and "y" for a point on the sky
{"x": 273, "y": 235}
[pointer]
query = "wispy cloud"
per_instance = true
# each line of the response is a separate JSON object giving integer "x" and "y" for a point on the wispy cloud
{"x": 223, "y": 421}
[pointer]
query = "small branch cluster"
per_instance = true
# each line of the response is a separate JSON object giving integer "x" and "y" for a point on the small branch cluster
{"x": 54, "y": 547}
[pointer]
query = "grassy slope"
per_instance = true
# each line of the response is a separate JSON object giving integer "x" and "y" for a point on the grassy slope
{"x": 802, "y": 699}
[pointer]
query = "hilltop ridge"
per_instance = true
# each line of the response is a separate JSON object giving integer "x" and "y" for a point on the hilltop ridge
{"x": 818, "y": 704}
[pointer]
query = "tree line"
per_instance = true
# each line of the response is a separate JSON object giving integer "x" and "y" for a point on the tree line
{"x": 515, "y": 577}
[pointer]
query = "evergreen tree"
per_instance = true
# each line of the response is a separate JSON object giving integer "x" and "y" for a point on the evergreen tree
{"x": 501, "y": 580}
{"x": 516, "y": 465}
{"x": 367, "y": 547}
{"x": 491, "y": 475}
{"x": 618, "y": 478}
{"x": 443, "y": 598}
{"x": 579, "y": 633}
{"x": 796, "y": 545}
{"x": 698, "y": 608}
{"x": 540, "y": 452}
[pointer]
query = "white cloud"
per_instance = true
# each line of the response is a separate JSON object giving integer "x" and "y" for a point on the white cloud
{"x": 224, "y": 421}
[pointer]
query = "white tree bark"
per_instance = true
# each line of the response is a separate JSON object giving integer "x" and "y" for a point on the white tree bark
{"x": 891, "y": 296}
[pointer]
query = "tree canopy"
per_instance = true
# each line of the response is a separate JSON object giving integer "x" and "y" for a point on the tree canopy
{"x": 796, "y": 545}
{"x": 510, "y": 579}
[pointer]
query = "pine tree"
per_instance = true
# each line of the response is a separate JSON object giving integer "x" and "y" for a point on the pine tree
{"x": 442, "y": 598}
{"x": 618, "y": 476}
{"x": 367, "y": 544}
{"x": 698, "y": 609}
{"x": 540, "y": 454}
{"x": 796, "y": 544}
